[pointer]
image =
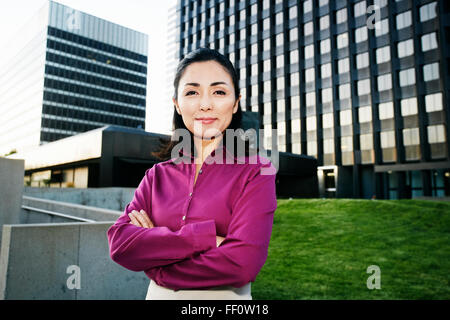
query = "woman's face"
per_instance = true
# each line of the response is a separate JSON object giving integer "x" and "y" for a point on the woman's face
{"x": 206, "y": 99}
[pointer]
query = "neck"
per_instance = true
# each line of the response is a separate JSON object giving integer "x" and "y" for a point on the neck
{"x": 205, "y": 147}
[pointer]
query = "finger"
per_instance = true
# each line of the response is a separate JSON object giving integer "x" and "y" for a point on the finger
{"x": 134, "y": 220}
{"x": 141, "y": 219}
{"x": 219, "y": 240}
{"x": 139, "y": 216}
{"x": 147, "y": 218}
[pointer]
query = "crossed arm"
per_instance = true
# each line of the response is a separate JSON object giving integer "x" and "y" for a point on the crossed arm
{"x": 189, "y": 258}
{"x": 138, "y": 249}
{"x": 141, "y": 219}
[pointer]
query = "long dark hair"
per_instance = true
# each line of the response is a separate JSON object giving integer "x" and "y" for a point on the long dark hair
{"x": 200, "y": 55}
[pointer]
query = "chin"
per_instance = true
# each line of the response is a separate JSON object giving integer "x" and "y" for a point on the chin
{"x": 210, "y": 133}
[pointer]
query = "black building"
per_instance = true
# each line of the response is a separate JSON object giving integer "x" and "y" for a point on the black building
{"x": 105, "y": 84}
{"x": 361, "y": 85}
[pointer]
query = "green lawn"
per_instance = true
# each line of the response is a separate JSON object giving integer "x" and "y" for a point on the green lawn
{"x": 321, "y": 248}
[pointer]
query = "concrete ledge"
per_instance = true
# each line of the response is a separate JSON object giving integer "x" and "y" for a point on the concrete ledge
{"x": 54, "y": 215}
{"x": 34, "y": 259}
{"x": 114, "y": 198}
{"x": 72, "y": 209}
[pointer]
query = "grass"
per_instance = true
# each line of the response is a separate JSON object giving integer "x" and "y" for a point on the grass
{"x": 321, "y": 248}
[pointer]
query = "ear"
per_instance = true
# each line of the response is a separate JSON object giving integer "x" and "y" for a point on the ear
{"x": 177, "y": 107}
{"x": 236, "y": 104}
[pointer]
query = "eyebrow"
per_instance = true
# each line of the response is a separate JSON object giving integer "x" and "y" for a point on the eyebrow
{"x": 211, "y": 85}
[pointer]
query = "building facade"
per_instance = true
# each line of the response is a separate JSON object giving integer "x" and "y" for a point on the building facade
{"x": 172, "y": 53}
{"x": 71, "y": 72}
{"x": 361, "y": 85}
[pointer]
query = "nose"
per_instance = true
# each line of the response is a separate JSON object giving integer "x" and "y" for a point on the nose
{"x": 205, "y": 103}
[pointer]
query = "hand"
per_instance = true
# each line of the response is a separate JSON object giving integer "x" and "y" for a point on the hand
{"x": 219, "y": 240}
{"x": 140, "y": 219}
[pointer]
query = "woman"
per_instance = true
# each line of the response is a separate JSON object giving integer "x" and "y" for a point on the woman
{"x": 200, "y": 229}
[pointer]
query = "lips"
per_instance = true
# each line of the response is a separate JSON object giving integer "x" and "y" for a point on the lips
{"x": 206, "y": 120}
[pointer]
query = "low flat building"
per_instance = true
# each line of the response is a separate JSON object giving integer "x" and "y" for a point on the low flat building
{"x": 115, "y": 156}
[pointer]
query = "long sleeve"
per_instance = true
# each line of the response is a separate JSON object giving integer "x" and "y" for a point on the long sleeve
{"x": 138, "y": 248}
{"x": 242, "y": 254}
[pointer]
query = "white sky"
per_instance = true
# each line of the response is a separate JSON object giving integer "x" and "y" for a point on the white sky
{"x": 148, "y": 16}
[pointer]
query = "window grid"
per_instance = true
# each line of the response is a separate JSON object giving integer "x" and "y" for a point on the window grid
{"x": 342, "y": 65}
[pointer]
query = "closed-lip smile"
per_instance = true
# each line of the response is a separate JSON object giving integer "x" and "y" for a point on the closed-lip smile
{"x": 206, "y": 120}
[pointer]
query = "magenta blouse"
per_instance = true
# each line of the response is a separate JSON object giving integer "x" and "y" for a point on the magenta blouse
{"x": 233, "y": 200}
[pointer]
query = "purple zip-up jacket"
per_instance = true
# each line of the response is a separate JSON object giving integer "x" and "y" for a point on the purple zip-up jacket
{"x": 233, "y": 200}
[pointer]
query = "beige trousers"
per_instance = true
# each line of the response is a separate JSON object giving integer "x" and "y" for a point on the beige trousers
{"x": 156, "y": 292}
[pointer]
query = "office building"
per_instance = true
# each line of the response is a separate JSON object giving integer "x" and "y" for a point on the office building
{"x": 173, "y": 54}
{"x": 70, "y": 72}
{"x": 361, "y": 85}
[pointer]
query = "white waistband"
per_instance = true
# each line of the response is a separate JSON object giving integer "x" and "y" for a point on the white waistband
{"x": 156, "y": 292}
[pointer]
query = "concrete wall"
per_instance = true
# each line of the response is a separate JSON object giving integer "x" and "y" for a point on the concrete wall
{"x": 108, "y": 198}
{"x": 34, "y": 260}
{"x": 11, "y": 189}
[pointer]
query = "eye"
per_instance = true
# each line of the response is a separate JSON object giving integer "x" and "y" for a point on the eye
{"x": 220, "y": 92}
{"x": 190, "y": 93}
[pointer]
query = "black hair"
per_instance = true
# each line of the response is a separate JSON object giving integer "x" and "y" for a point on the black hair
{"x": 200, "y": 55}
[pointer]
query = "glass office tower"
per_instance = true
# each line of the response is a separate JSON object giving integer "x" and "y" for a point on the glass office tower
{"x": 362, "y": 85}
{"x": 70, "y": 72}
{"x": 172, "y": 54}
